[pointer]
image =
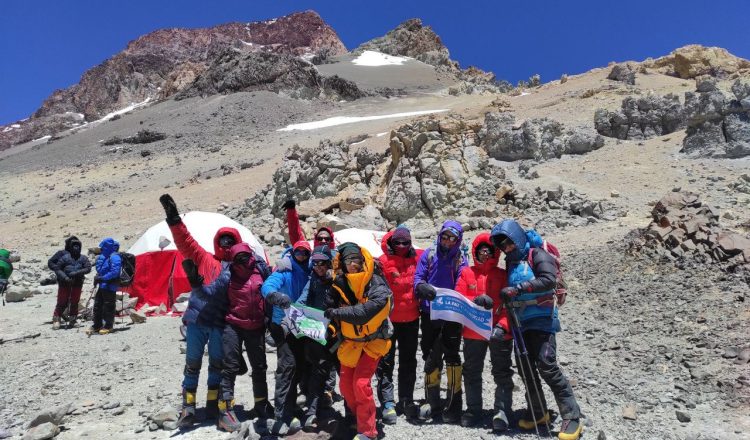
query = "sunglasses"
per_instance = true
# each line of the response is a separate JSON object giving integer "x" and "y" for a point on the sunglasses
{"x": 302, "y": 253}
{"x": 353, "y": 260}
{"x": 503, "y": 243}
{"x": 486, "y": 251}
{"x": 320, "y": 263}
{"x": 324, "y": 239}
{"x": 447, "y": 237}
{"x": 242, "y": 258}
{"x": 402, "y": 243}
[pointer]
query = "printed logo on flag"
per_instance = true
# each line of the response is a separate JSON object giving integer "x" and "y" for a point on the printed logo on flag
{"x": 307, "y": 322}
{"x": 450, "y": 305}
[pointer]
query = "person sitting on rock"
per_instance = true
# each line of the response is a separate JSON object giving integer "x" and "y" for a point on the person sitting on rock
{"x": 441, "y": 266}
{"x": 204, "y": 319}
{"x": 322, "y": 237}
{"x": 238, "y": 288}
{"x": 70, "y": 267}
{"x": 318, "y": 294}
{"x": 482, "y": 283}
{"x": 108, "y": 265}
{"x": 281, "y": 289}
{"x": 399, "y": 263}
{"x": 362, "y": 304}
{"x": 539, "y": 322}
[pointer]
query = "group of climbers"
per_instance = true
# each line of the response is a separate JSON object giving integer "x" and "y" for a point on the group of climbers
{"x": 376, "y": 309}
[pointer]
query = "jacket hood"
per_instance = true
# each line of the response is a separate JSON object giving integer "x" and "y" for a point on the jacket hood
{"x": 108, "y": 246}
{"x": 455, "y": 228}
{"x": 358, "y": 281}
{"x": 240, "y": 248}
{"x": 385, "y": 245}
{"x": 484, "y": 238}
{"x": 5, "y": 253}
{"x": 220, "y": 253}
{"x": 514, "y": 231}
{"x": 302, "y": 244}
{"x": 331, "y": 244}
{"x": 70, "y": 241}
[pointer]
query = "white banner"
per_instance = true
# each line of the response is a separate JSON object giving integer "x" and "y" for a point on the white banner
{"x": 307, "y": 322}
{"x": 450, "y": 305}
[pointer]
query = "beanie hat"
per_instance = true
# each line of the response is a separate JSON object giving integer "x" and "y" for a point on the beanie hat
{"x": 401, "y": 233}
{"x": 348, "y": 249}
{"x": 321, "y": 253}
{"x": 240, "y": 248}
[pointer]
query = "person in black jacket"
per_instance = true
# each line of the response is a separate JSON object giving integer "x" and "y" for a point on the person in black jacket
{"x": 70, "y": 267}
{"x": 318, "y": 294}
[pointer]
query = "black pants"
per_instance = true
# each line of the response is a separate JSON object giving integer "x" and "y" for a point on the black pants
{"x": 441, "y": 341}
{"x": 475, "y": 351}
{"x": 104, "y": 309}
{"x": 542, "y": 349}
{"x": 405, "y": 336}
{"x": 320, "y": 363}
{"x": 290, "y": 353}
{"x": 254, "y": 340}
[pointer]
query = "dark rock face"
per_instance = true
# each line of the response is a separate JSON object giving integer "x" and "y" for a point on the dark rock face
{"x": 411, "y": 39}
{"x": 642, "y": 118}
{"x": 167, "y": 61}
{"x": 623, "y": 72}
{"x": 539, "y": 138}
{"x": 717, "y": 126}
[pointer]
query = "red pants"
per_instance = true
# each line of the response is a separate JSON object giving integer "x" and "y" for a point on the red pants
{"x": 357, "y": 391}
{"x": 65, "y": 295}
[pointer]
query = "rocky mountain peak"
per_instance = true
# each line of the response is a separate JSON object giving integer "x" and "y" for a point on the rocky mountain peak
{"x": 411, "y": 39}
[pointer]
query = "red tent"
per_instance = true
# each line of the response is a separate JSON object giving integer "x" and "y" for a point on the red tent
{"x": 159, "y": 278}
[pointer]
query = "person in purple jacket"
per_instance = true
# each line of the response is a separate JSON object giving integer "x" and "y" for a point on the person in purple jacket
{"x": 440, "y": 266}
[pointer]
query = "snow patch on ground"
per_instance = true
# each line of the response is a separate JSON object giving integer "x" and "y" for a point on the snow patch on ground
{"x": 340, "y": 120}
{"x": 16, "y": 125}
{"x": 43, "y": 138}
{"x": 382, "y": 134}
{"x": 123, "y": 110}
{"x": 371, "y": 58}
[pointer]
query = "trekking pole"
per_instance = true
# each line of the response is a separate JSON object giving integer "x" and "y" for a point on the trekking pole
{"x": 86, "y": 307}
{"x": 520, "y": 344}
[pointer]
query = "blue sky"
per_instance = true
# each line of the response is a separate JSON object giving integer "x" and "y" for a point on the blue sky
{"x": 48, "y": 44}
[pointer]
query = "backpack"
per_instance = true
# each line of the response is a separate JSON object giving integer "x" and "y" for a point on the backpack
{"x": 127, "y": 268}
{"x": 561, "y": 288}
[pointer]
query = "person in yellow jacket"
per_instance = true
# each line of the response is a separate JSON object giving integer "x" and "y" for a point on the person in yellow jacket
{"x": 363, "y": 303}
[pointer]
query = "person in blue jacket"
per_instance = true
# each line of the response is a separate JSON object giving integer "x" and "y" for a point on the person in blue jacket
{"x": 532, "y": 279}
{"x": 108, "y": 265}
{"x": 280, "y": 290}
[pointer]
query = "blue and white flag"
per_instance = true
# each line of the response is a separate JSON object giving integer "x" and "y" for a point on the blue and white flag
{"x": 450, "y": 305}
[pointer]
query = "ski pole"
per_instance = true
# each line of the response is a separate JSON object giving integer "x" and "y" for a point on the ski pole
{"x": 521, "y": 346}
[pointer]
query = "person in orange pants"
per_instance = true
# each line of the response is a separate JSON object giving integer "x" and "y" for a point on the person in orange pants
{"x": 363, "y": 302}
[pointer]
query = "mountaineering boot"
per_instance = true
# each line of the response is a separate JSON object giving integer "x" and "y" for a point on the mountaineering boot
{"x": 570, "y": 429}
{"x": 310, "y": 423}
{"x": 91, "y": 330}
{"x": 212, "y": 403}
{"x": 431, "y": 408}
{"x": 55, "y": 323}
{"x": 282, "y": 428}
{"x": 228, "y": 419}
{"x": 527, "y": 422}
{"x": 470, "y": 419}
{"x": 389, "y": 415}
{"x": 500, "y": 422}
{"x": 409, "y": 409}
{"x": 105, "y": 331}
{"x": 71, "y": 322}
{"x": 363, "y": 437}
{"x": 263, "y": 408}
{"x": 187, "y": 414}
{"x": 452, "y": 413}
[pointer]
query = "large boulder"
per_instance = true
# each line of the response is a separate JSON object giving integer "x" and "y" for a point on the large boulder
{"x": 623, "y": 72}
{"x": 695, "y": 60}
{"x": 717, "y": 125}
{"x": 642, "y": 117}
{"x": 539, "y": 138}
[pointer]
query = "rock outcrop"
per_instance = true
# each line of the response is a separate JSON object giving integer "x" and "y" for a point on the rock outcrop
{"x": 623, "y": 72}
{"x": 695, "y": 60}
{"x": 165, "y": 62}
{"x": 539, "y": 138}
{"x": 717, "y": 125}
{"x": 411, "y": 39}
{"x": 685, "y": 229}
{"x": 642, "y": 118}
{"x": 240, "y": 71}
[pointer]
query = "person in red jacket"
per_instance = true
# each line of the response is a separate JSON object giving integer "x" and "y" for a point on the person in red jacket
{"x": 399, "y": 262}
{"x": 482, "y": 283}
{"x": 204, "y": 319}
{"x": 323, "y": 236}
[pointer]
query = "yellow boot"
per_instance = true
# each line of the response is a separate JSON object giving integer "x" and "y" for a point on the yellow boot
{"x": 570, "y": 430}
{"x": 526, "y": 424}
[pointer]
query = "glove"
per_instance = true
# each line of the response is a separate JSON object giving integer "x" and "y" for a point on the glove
{"x": 425, "y": 291}
{"x": 331, "y": 314}
{"x": 289, "y": 204}
{"x": 170, "y": 209}
{"x": 63, "y": 278}
{"x": 191, "y": 270}
{"x": 524, "y": 286}
{"x": 498, "y": 334}
{"x": 484, "y": 301}
{"x": 279, "y": 299}
{"x": 509, "y": 292}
